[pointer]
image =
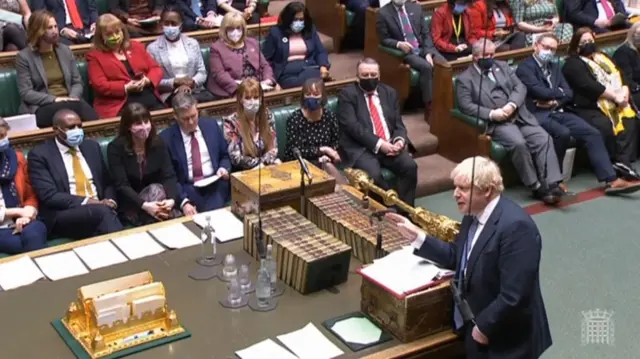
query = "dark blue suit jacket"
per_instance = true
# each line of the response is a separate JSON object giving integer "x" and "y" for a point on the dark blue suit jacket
{"x": 584, "y": 12}
{"x": 51, "y": 182}
{"x": 502, "y": 282}
{"x": 190, "y": 16}
{"x": 531, "y": 75}
{"x": 276, "y": 50}
{"x": 216, "y": 144}
{"x": 87, "y": 9}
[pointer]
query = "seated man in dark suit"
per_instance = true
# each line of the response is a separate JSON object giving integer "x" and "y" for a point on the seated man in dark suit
{"x": 547, "y": 95}
{"x": 401, "y": 26}
{"x": 500, "y": 102}
{"x": 72, "y": 182}
{"x": 198, "y": 151}
{"x": 496, "y": 257}
{"x": 372, "y": 134}
{"x": 75, "y": 18}
{"x": 599, "y": 15}
{"x": 355, "y": 36}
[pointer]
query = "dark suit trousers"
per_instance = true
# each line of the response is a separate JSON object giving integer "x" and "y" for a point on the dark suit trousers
{"x": 84, "y": 222}
{"x": 211, "y": 197}
{"x": 32, "y": 237}
{"x": 620, "y": 147}
{"x": 425, "y": 69}
{"x": 403, "y": 167}
{"x": 561, "y": 126}
{"x": 44, "y": 114}
{"x": 296, "y": 73}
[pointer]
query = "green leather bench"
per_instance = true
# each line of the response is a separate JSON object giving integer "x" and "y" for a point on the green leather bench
{"x": 498, "y": 152}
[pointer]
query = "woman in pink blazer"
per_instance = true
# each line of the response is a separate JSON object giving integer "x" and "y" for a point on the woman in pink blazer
{"x": 235, "y": 57}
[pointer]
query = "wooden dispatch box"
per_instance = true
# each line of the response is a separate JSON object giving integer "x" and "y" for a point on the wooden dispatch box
{"x": 277, "y": 185}
{"x": 412, "y": 317}
{"x": 308, "y": 259}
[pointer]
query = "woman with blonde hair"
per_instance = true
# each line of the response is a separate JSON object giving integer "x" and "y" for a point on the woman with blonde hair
{"x": 234, "y": 57}
{"x": 250, "y": 131}
{"x": 48, "y": 79}
{"x": 121, "y": 70}
{"x": 627, "y": 59}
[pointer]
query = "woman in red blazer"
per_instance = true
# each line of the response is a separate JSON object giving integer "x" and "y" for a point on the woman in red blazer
{"x": 492, "y": 19}
{"x": 20, "y": 231}
{"x": 451, "y": 30}
{"x": 121, "y": 70}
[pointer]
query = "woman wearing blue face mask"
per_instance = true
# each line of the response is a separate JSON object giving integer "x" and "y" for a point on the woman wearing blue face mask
{"x": 20, "y": 231}
{"x": 293, "y": 48}
{"x": 250, "y": 131}
{"x": 451, "y": 29}
{"x": 180, "y": 58}
{"x": 313, "y": 129}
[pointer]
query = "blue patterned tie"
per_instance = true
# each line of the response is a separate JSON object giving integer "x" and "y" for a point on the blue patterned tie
{"x": 473, "y": 227}
{"x": 407, "y": 29}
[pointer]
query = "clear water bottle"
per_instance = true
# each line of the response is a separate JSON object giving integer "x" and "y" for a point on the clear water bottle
{"x": 230, "y": 269}
{"x": 272, "y": 266}
{"x": 263, "y": 287}
{"x": 243, "y": 278}
{"x": 235, "y": 292}
{"x": 207, "y": 235}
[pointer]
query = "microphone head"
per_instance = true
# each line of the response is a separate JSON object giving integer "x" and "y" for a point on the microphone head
{"x": 296, "y": 152}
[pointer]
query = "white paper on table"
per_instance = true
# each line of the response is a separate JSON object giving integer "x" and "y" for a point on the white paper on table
{"x": 175, "y": 236}
{"x": 138, "y": 245}
{"x": 310, "y": 343}
{"x": 224, "y": 223}
{"x": 100, "y": 255}
{"x": 18, "y": 273}
{"x": 61, "y": 265}
{"x": 206, "y": 181}
{"x": 265, "y": 349}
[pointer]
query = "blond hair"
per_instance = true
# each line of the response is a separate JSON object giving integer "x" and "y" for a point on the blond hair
{"x": 484, "y": 172}
{"x": 233, "y": 20}
{"x": 37, "y": 27}
{"x": 252, "y": 87}
{"x": 630, "y": 34}
{"x": 103, "y": 24}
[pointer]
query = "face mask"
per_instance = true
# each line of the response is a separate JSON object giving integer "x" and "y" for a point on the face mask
{"x": 51, "y": 37}
{"x": 545, "y": 56}
{"x": 234, "y": 35}
{"x": 297, "y": 26}
{"x": 459, "y": 9}
{"x": 114, "y": 40}
{"x": 74, "y": 137}
{"x": 399, "y": 2}
{"x": 4, "y": 144}
{"x": 251, "y": 106}
{"x": 141, "y": 130}
{"x": 171, "y": 32}
{"x": 369, "y": 85}
{"x": 485, "y": 64}
{"x": 312, "y": 103}
{"x": 588, "y": 49}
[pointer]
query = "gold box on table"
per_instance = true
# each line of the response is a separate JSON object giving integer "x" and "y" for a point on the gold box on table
{"x": 410, "y": 317}
{"x": 120, "y": 313}
{"x": 277, "y": 186}
{"x": 308, "y": 259}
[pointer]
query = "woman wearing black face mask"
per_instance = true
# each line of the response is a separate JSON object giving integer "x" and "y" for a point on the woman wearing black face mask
{"x": 313, "y": 129}
{"x": 601, "y": 98}
{"x": 59, "y": 86}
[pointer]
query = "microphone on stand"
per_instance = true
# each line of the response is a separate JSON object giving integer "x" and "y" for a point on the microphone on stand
{"x": 303, "y": 164}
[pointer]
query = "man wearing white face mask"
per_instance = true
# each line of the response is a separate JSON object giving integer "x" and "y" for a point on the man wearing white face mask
{"x": 548, "y": 93}
{"x": 180, "y": 58}
{"x": 401, "y": 26}
{"x": 72, "y": 182}
{"x": 235, "y": 57}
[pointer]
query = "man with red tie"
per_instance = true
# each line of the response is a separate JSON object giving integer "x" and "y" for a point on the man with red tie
{"x": 372, "y": 135}
{"x": 76, "y": 19}
{"x": 198, "y": 152}
{"x": 599, "y": 15}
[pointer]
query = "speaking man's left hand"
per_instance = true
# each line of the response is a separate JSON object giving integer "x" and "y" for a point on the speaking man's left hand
{"x": 478, "y": 336}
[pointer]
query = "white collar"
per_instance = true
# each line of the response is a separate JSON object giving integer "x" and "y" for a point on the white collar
{"x": 184, "y": 134}
{"x": 483, "y": 216}
{"x": 64, "y": 148}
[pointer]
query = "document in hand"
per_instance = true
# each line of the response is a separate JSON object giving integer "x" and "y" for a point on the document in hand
{"x": 205, "y": 182}
{"x": 226, "y": 226}
{"x": 403, "y": 273}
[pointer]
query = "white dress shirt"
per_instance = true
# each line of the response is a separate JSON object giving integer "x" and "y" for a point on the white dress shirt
{"x": 482, "y": 218}
{"x": 67, "y": 158}
{"x": 178, "y": 58}
{"x": 376, "y": 102}
{"x": 207, "y": 166}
